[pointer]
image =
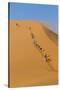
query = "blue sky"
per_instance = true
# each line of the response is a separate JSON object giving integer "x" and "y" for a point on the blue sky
{"x": 47, "y": 14}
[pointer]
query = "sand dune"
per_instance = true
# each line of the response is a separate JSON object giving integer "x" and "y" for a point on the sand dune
{"x": 33, "y": 58}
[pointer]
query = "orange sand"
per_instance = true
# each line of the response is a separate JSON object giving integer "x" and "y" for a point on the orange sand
{"x": 26, "y": 65}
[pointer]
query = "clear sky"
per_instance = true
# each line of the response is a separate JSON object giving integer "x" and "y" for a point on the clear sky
{"x": 47, "y": 14}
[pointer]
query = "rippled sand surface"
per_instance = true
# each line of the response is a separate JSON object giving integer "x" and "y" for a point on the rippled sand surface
{"x": 27, "y": 66}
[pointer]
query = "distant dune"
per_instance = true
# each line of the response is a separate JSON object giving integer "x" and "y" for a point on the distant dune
{"x": 33, "y": 54}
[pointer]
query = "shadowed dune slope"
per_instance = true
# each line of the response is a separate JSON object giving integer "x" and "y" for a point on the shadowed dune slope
{"x": 51, "y": 35}
{"x": 33, "y": 54}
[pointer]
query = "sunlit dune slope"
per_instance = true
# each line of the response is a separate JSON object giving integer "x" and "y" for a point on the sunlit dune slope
{"x": 29, "y": 42}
